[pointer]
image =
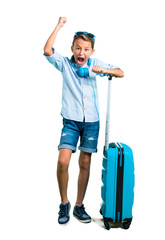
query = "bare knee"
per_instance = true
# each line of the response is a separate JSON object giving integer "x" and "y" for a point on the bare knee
{"x": 84, "y": 161}
{"x": 63, "y": 163}
{"x": 63, "y": 160}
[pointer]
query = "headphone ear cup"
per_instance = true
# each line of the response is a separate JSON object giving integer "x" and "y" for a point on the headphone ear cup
{"x": 80, "y": 72}
{"x": 83, "y": 72}
{"x": 86, "y": 72}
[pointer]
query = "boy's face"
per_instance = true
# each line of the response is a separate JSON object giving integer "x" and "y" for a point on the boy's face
{"x": 82, "y": 50}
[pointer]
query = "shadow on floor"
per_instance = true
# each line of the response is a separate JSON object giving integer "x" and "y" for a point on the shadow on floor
{"x": 100, "y": 223}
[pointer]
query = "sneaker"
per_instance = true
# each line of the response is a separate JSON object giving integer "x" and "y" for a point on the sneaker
{"x": 81, "y": 215}
{"x": 64, "y": 213}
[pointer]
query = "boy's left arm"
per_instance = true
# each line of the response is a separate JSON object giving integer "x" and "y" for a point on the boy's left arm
{"x": 115, "y": 72}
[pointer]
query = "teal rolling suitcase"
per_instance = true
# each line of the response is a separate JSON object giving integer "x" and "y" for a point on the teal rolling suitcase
{"x": 117, "y": 189}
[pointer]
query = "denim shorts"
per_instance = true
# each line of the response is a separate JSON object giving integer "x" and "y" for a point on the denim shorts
{"x": 87, "y": 131}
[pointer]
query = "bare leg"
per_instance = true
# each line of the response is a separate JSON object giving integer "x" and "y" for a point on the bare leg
{"x": 62, "y": 173}
{"x": 84, "y": 164}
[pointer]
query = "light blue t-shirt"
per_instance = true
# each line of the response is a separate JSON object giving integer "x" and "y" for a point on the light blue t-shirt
{"x": 79, "y": 94}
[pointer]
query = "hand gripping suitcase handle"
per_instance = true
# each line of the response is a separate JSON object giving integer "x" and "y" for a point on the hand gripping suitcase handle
{"x": 107, "y": 126}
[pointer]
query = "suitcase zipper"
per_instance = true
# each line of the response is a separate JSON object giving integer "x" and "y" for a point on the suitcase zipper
{"x": 119, "y": 186}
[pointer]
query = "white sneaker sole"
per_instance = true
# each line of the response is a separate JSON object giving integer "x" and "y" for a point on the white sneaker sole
{"x": 83, "y": 221}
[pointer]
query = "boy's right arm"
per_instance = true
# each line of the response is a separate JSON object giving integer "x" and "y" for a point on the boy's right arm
{"x": 50, "y": 42}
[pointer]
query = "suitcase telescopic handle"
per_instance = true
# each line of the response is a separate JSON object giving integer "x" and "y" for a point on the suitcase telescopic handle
{"x": 107, "y": 126}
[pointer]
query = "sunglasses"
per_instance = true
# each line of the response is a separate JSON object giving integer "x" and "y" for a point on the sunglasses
{"x": 89, "y": 35}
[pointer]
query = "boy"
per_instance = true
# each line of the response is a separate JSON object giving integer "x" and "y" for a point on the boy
{"x": 80, "y": 113}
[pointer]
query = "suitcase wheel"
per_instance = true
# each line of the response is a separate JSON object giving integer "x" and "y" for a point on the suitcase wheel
{"x": 107, "y": 225}
{"x": 126, "y": 224}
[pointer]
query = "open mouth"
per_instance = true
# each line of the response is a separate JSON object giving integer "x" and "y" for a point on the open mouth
{"x": 80, "y": 60}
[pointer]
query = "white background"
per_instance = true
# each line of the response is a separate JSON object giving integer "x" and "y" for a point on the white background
{"x": 129, "y": 34}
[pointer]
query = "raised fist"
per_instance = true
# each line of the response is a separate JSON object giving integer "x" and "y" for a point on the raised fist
{"x": 62, "y": 21}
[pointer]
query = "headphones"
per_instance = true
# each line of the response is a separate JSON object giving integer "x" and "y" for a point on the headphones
{"x": 82, "y": 72}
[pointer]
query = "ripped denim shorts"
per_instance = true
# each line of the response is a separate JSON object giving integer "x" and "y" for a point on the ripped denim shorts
{"x": 87, "y": 131}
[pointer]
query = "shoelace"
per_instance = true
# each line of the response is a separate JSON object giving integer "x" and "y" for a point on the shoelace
{"x": 63, "y": 210}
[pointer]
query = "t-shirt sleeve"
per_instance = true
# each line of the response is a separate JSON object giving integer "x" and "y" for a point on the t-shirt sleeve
{"x": 56, "y": 60}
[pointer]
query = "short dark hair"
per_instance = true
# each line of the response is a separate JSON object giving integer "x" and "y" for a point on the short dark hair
{"x": 85, "y": 38}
